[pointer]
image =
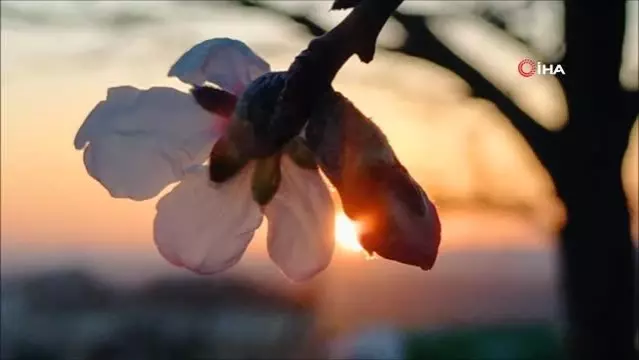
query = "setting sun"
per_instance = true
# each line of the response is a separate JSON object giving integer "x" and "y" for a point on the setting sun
{"x": 346, "y": 233}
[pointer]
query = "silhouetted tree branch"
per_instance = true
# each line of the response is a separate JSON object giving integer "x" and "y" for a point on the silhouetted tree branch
{"x": 422, "y": 43}
{"x": 314, "y": 69}
{"x": 311, "y": 27}
{"x": 498, "y": 20}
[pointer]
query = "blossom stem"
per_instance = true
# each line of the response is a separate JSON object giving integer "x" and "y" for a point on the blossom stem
{"x": 313, "y": 70}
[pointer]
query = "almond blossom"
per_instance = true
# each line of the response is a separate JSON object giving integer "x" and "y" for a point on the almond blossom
{"x": 137, "y": 142}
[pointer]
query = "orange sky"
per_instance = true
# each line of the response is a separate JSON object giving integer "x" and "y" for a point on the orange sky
{"x": 49, "y": 84}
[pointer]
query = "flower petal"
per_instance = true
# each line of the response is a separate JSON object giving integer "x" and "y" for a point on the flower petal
{"x": 118, "y": 98}
{"x": 127, "y": 168}
{"x": 229, "y": 63}
{"x": 139, "y": 141}
{"x": 206, "y": 227}
{"x": 301, "y": 221}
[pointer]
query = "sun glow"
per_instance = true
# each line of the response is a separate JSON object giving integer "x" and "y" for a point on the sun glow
{"x": 346, "y": 233}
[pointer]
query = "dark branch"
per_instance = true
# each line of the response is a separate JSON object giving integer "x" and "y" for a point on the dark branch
{"x": 499, "y": 22}
{"x": 313, "y": 70}
{"x": 311, "y": 27}
{"x": 344, "y": 4}
{"x": 423, "y": 44}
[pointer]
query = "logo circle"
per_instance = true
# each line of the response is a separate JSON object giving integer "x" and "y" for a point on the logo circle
{"x": 522, "y": 68}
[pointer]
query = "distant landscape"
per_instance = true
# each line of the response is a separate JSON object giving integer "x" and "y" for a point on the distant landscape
{"x": 465, "y": 286}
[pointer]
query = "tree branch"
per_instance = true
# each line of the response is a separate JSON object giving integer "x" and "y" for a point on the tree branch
{"x": 497, "y": 20}
{"x": 423, "y": 44}
{"x": 311, "y": 27}
{"x": 314, "y": 69}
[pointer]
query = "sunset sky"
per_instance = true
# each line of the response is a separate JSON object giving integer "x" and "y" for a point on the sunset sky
{"x": 59, "y": 59}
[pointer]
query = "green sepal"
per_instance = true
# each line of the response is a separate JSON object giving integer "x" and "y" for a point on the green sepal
{"x": 266, "y": 179}
{"x": 301, "y": 155}
{"x": 225, "y": 161}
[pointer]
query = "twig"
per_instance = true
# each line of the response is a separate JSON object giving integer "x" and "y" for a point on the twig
{"x": 314, "y": 69}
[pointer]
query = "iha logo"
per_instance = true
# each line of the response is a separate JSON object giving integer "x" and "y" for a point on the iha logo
{"x": 528, "y": 68}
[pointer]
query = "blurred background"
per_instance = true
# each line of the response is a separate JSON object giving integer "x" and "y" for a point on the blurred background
{"x": 82, "y": 279}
